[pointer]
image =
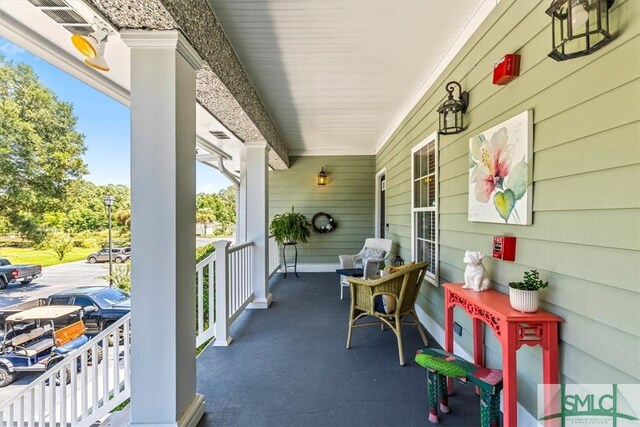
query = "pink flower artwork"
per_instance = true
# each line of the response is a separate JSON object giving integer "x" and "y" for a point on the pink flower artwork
{"x": 499, "y": 172}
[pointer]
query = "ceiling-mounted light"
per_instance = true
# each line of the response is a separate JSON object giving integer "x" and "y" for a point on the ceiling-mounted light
{"x": 578, "y": 27}
{"x": 451, "y": 112}
{"x": 92, "y": 46}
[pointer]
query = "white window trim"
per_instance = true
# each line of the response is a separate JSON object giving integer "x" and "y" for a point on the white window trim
{"x": 433, "y": 279}
{"x": 381, "y": 172}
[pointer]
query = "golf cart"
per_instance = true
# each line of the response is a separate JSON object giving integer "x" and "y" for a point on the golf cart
{"x": 35, "y": 340}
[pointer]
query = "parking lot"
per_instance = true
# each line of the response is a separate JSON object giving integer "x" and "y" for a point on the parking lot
{"x": 54, "y": 279}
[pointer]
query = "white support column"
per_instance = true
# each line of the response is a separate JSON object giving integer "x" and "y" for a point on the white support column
{"x": 163, "y": 134}
{"x": 241, "y": 215}
{"x": 257, "y": 203}
{"x": 222, "y": 337}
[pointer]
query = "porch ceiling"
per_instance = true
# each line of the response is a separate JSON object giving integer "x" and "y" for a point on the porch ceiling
{"x": 337, "y": 74}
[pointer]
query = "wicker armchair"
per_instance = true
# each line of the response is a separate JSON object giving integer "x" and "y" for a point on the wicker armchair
{"x": 369, "y": 266}
{"x": 402, "y": 286}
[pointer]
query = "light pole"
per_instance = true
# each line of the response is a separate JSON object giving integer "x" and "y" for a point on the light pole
{"x": 108, "y": 202}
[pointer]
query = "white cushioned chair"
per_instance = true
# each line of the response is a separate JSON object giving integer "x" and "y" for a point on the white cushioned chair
{"x": 368, "y": 259}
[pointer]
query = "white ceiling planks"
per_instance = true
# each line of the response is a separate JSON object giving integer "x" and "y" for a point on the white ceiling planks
{"x": 336, "y": 74}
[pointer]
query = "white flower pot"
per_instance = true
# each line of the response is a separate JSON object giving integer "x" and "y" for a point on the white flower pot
{"x": 524, "y": 301}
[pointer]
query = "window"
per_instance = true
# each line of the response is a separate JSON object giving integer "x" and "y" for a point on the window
{"x": 424, "y": 204}
{"x": 83, "y": 302}
{"x": 59, "y": 301}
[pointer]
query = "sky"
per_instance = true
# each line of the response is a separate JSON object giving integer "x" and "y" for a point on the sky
{"x": 104, "y": 122}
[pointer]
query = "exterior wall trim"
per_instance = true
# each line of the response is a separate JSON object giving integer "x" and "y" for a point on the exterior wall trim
{"x": 433, "y": 137}
{"x": 378, "y": 220}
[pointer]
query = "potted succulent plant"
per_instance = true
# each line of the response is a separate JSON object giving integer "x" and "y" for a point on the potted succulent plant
{"x": 524, "y": 295}
{"x": 290, "y": 227}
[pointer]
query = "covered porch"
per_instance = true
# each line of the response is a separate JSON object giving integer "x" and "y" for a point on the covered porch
{"x": 390, "y": 174}
{"x": 290, "y": 367}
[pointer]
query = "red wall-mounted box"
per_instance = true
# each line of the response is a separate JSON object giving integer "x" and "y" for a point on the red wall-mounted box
{"x": 504, "y": 248}
{"x": 507, "y": 69}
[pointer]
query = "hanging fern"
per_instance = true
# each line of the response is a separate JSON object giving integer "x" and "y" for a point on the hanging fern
{"x": 290, "y": 227}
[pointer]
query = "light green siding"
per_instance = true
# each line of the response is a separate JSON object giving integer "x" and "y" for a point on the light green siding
{"x": 348, "y": 198}
{"x": 585, "y": 237}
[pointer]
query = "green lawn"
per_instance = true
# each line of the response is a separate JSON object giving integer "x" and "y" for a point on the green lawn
{"x": 43, "y": 257}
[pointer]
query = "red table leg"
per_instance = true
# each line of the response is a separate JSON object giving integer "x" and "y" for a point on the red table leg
{"x": 478, "y": 342}
{"x": 550, "y": 366}
{"x": 510, "y": 375}
{"x": 448, "y": 334}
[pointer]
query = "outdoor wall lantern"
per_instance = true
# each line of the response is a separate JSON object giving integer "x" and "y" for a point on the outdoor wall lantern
{"x": 92, "y": 46}
{"x": 578, "y": 27}
{"x": 322, "y": 177}
{"x": 452, "y": 110}
{"x": 398, "y": 261}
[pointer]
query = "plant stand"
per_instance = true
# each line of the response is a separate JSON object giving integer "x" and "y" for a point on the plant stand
{"x": 295, "y": 259}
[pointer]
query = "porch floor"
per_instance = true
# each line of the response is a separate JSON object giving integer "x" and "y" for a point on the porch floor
{"x": 288, "y": 366}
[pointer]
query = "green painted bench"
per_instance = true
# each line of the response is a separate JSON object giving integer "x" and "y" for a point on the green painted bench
{"x": 440, "y": 365}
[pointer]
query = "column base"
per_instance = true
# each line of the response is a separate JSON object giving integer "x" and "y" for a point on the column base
{"x": 261, "y": 303}
{"x": 221, "y": 342}
{"x": 190, "y": 418}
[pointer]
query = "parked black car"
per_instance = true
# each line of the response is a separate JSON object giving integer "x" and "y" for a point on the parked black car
{"x": 10, "y": 273}
{"x": 110, "y": 305}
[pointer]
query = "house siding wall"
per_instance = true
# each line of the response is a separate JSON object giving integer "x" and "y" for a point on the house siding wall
{"x": 585, "y": 237}
{"x": 348, "y": 198}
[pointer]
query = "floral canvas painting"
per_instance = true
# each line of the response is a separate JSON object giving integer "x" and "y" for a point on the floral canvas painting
{"x": 500, "y": 171}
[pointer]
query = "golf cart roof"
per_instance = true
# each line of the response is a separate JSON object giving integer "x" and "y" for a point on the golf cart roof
{"x": 46, "y": 312}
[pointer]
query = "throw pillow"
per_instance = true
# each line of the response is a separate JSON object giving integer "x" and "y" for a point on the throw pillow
{"x": 372, "y": 253}
{"x": 388, "y": 302}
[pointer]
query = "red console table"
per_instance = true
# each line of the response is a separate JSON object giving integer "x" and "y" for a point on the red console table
{"x": 513, "y": 329}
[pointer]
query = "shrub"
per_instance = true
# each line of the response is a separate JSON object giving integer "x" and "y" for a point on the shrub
{"x": 59, "y": 243}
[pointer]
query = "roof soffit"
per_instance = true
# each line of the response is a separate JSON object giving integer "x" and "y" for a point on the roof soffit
{"x": 222, "y": 86}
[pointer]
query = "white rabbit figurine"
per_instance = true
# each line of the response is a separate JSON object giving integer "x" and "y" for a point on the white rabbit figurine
{"x": 475, "y": 275}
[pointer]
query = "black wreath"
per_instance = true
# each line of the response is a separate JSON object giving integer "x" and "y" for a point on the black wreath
{"x": 327, "y": 228}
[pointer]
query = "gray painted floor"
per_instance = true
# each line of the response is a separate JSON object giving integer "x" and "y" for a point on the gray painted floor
{"x": 288, "y": 366}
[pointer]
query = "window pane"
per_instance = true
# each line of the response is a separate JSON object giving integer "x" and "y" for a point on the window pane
{"x": 421, "y": 224}
{"x": 424, "y": 192}
{"x": 430, "y": 255}
{"x": 83, "y": 302}
{"x": 427, "y": 225}
{"x": 424, "y": 162}
{"x": 416, "y": 194}
{"x": 431, "y": 158}
{"x": 416, "y": 164}
{"x": 431, "y": 201}
{"x": 420, "y": 250}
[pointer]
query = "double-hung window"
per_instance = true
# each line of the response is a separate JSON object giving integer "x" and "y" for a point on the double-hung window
{"x": 424, "y": 204}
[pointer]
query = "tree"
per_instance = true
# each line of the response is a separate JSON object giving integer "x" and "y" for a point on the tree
{"x": 205, "y": 216}
{"x": 60, "y": 243}
{"x": 222, "y": 204}
{"x": 39, "y": 147}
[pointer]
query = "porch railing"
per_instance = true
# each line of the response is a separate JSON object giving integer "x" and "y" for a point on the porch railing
{"x": 274, "y": 256}
{"x": 93, "y": 388}
{"x": 205, "y": 309}
{"x": 233, "y": 266}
